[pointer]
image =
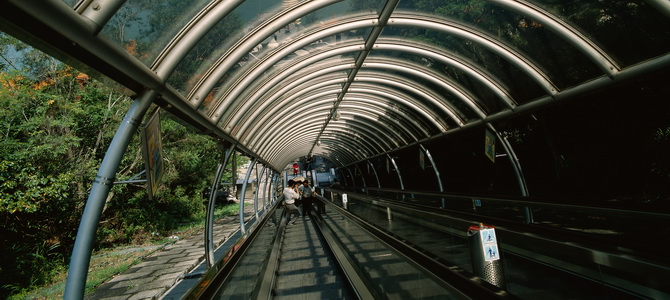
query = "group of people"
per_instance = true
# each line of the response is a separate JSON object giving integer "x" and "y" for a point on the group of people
{"x": 301, "y": 194}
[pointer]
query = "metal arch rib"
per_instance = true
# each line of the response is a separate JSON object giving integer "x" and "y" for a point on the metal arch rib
{"x": 375, "y": 142}
{"x": 309, "y": 74}
{"x": 286, "y": 118}
{"x": 563, "y": 29}
{"x": 303, "y": 76}
{"x": 401, "y": 83}
{"x": 367, "y": 104}
{"x": 461, "y": 30}
{"x": 364, "y": 114}
{"x": 292, "y": 102}
{"x": 333, "y": 153}
{"x": 366, "y": 130}
{"x": 292, "y": 151}
{"x": 661, "y": 5}
{"x": 310, "y": 67}
{"x": 451, "y": 86}
{"x": 397, "y": 96}
{"x": 315, "y": 117}
{"x": 265, "y": 143}
{"x": 305, "y": 142}
{"x": 483, "y": 39}
{"x": 272, "y": 137}
{"x": 419, "y": 49}
{"x": 256, "y": 69}
{"x": 276, "y": 112}
{"x": 476, "y": 72}
{"x": 168, "y": 60}
{"x": 268, "y": 98}
{"x": 248, "y": 42}
{"x": 261, "y": 117}
{"x": 379, "y": 140}
{"x": 362, "y": 90}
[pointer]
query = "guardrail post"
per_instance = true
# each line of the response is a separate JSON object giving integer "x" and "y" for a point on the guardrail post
{"x": 345, "y": 202}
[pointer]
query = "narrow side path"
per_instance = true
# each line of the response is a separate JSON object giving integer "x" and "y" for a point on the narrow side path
{"x": 160, "y": 271}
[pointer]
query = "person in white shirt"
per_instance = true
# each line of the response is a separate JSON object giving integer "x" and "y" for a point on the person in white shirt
{"x": 290, "y": 195}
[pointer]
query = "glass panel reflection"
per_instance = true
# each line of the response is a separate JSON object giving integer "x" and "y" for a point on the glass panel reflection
{"x": 70, "y": 3}
{"x": 143, "y": 28}
{"x": 631, "y": 31}
{"x": 320, "y": 18}
{"x": 478, "y": 56}
{"x": 565, "y": 64}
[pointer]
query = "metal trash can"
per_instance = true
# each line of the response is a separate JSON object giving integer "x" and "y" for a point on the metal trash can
{"x": 485, "y": 253}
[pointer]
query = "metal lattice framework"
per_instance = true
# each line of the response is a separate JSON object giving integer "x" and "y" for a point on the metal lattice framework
{"x": 358, "y": 78}
{"x": 344, "y": 65}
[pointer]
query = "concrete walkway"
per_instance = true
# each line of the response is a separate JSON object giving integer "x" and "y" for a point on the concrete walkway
{"x": 151, "y": 278}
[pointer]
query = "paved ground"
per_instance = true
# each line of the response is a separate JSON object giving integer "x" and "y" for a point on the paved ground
{"x": 151, "y": 278}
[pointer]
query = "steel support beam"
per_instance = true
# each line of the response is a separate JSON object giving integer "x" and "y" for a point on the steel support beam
{"x": 83, "y": 246}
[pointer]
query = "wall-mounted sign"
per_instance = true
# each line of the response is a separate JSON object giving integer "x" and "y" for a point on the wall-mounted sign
{"x": 422, "y": 159}
{"x": 152, "y": 149}
{"x": 490, "y": 146}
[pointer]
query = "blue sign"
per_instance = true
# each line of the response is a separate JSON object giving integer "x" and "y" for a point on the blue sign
{"x": 491, "y": 253}
{"x": 488, "y": 236}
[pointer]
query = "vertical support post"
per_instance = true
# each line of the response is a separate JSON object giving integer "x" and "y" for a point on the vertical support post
{"x": 437, "y": 172}
{"x": 365, "y": 185}
{"x": 233, "y": 173}
{"x": 273, "y": 188}
{"x": 345, "y": 183}
{"x": 514, "y": 160}
{"x": 374, "y": 170}
{"x": 266, "y": 198}
{"x": 397, "y": 171}
{"x": 252, "y": 164}
{"x": 353, "y": 179}
{"x": 83, "y": 246}
{"x": 258, "y": 188}
{"x": 389, "y": 214}
{"x": 211, "y": 206}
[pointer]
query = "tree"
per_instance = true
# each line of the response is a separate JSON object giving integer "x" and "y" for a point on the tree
{"x": 56, "y": 124}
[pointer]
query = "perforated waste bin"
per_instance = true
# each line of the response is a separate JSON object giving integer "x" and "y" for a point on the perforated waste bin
{"x": 485, "y": 253}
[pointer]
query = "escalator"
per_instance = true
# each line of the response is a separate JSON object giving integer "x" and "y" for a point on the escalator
{"x": 373, "y": 248}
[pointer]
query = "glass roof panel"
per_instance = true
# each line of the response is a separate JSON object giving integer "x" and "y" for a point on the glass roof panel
{"x": 70, "y": 3}
{"x": 442, "y": 94}
{"x": 144, "y": 28}
{"x": 481, "y": 95}
{"x": 316, "y": 19}
{"x": 284, "y": 38}
{"x": 646, "y": 30}
{"x": 222, "y": 37}
{"x": 517, "y": 83}
{"x": 565, "y": 64}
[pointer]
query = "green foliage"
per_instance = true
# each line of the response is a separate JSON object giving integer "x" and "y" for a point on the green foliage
{"x": 56, "y": 124}
{"x": 44, "y": 167}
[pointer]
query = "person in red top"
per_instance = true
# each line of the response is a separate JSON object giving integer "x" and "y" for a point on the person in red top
{"x": 296, "y": 168}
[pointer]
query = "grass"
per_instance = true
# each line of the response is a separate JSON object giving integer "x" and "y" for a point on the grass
{"x": 109, "y": 262}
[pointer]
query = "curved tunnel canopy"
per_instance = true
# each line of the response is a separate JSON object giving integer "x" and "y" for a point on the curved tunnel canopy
{"x": 358, "y": 79}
